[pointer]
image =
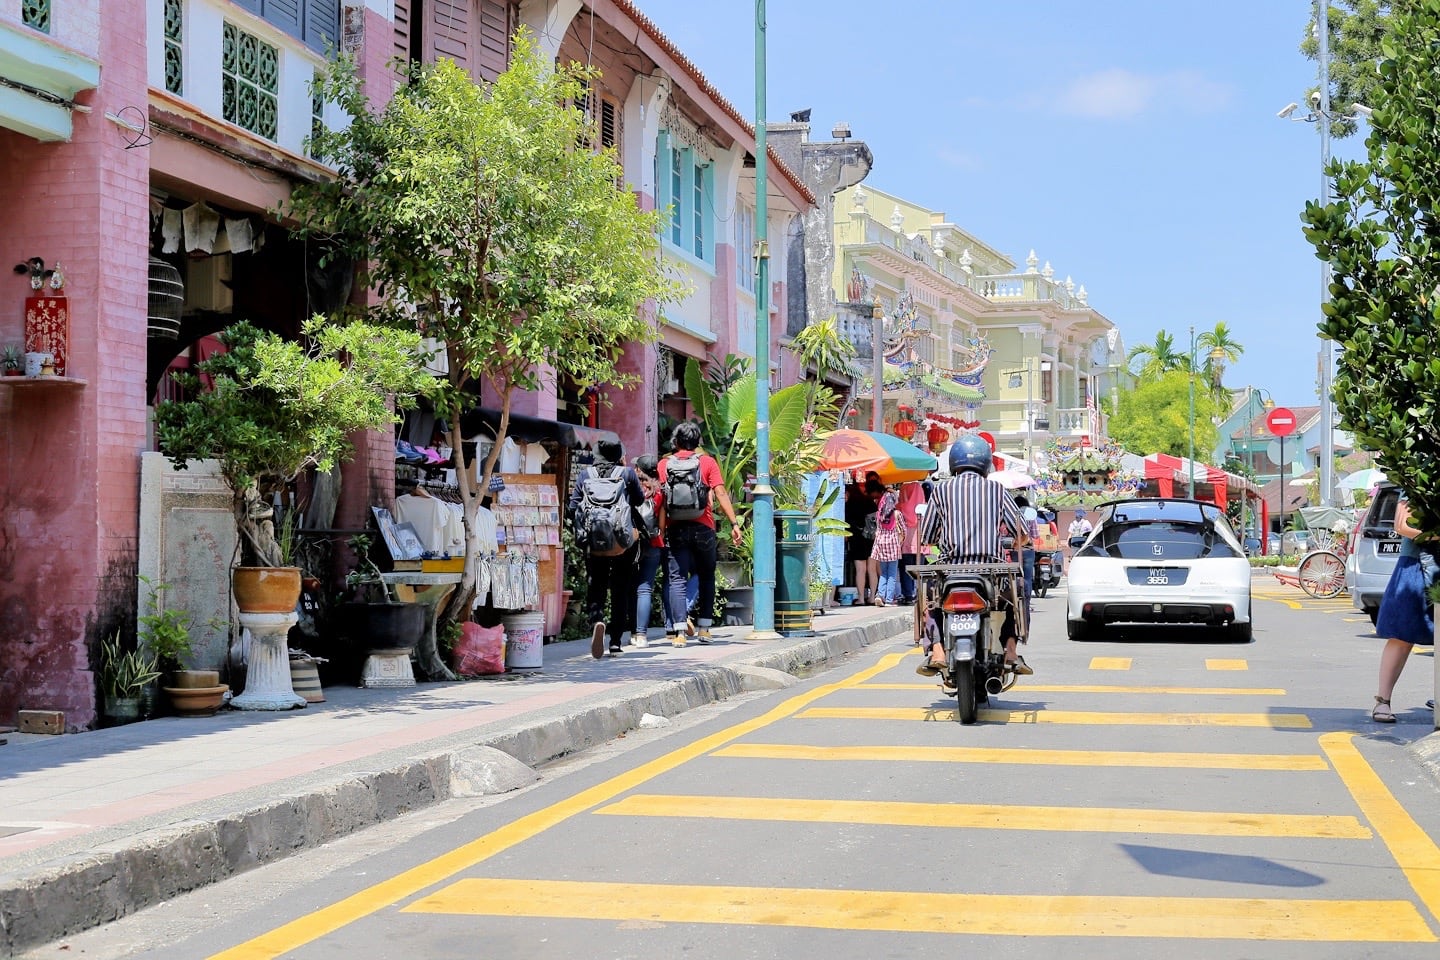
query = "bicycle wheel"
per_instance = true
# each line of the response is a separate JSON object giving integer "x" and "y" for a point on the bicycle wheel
{"x": 1322, "y": 574}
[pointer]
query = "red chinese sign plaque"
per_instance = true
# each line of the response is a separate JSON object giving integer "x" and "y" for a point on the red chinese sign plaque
{"x": 47, "y": 328}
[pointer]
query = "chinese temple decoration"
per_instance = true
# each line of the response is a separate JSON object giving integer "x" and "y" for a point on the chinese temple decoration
{"x": 1081, "y": 475}
{"x": 47, "y": 313}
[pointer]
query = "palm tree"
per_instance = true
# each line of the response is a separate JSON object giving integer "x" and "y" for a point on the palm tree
{"x": 1220, "y": 348}
{"x": 1157, "y": 359}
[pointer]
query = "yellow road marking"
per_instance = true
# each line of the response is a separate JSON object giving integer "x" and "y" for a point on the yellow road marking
{"x": 1226, "y": 665}
{"x": 1292, "y": 604}
{"x": 1110, "y": 663}
{"x": 1412, "y": 848}
{"x": 295, "y": 934}
{"x": 1106, "y": 688}
{"x": 1278, "y": 721}
{"x": 922, "y": 912}
{"x": 985, "y": 816}
{"x": 1059, "y": 758}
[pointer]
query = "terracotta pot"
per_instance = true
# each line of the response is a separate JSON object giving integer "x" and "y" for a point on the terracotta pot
{"x": 196, "y": 701}
{"x": 195, "y": 679}
{"x": 266, "y": 589}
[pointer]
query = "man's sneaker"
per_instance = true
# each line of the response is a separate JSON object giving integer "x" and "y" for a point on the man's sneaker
{"x": 677, "y": 639}
{"x": 597, "y": 641}
{"x": 703, "y": 635}
{"x": 1020, "y": 667}
{"x": 616, "y": 649}
{"x": 640, "y": 641}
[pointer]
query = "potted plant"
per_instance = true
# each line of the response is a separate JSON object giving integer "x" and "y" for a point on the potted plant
{"x": 374, "y": 618}
{"x": 271, "y": 408}
{"x": 165, "y": 634}
{"x": 124, "y": 675}
{"x": 13, "y": 360}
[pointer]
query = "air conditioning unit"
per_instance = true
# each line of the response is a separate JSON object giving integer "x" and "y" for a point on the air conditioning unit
{"x": 207, "y": 284}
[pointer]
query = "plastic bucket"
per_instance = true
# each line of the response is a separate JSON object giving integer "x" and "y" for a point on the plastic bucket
{"x": 524, "y": 640}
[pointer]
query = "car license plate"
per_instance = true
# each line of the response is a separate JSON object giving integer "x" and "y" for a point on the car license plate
{"x": 964, "y": 623}
{"x": 1388, "y": 546}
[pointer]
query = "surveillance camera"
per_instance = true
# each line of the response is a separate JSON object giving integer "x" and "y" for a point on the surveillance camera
{"x": 1315, "y": 98}
{"x": 1285, "y": 111}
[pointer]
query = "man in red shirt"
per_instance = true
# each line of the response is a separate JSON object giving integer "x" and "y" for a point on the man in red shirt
{"x": 690, "y": 526}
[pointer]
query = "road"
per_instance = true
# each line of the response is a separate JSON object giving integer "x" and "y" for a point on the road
{"x": 1144, "y": 794}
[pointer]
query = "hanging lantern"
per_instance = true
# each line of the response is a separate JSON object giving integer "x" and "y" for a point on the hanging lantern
{"x": 167, "y": 298}
{"x": 905, "y": 429}
{"x": 938, "y": 437}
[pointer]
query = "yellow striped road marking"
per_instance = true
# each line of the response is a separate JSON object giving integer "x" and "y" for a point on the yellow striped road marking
{"x": 1110, "y": 663}
{"x": 1412, "y": 848}
{"x": 1226, "y": 665}
{"x": 1207, "y": 918}
{"x": 1289, "y": 602}
{"x": 318, "y": 923}
{"x": 1059, "y": 758}
{"x": 985, "y": 816}
{"x": 1107, "y": 688}
{"x": 1278, "y": 721}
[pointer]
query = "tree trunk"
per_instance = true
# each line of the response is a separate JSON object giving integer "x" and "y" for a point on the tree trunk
{"x": 255, "y": 522}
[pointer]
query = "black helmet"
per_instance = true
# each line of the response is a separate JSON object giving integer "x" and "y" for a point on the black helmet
{"x": 971, "y": 453}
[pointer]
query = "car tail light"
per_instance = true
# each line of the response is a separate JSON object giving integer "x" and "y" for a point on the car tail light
{"x": 963, "y": 601}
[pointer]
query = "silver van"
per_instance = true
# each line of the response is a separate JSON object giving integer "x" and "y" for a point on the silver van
{"x": 1374, "y": 548}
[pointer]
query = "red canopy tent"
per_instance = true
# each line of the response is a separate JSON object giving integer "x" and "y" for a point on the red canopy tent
{"x": 1171, "y": 472}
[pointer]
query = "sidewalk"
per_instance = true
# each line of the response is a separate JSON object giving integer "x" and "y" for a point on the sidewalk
{"x": 97, "y": 825}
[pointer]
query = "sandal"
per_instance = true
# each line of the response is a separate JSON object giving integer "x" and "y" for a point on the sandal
{"x": 1382, "y": 712}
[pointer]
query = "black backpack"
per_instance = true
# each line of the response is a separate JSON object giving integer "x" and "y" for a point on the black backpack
{"x": 686, "y": 495}
{"x": 605, "y": 521}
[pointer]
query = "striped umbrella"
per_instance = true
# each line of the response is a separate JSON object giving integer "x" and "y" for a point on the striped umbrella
{"x": 861, "y": 450}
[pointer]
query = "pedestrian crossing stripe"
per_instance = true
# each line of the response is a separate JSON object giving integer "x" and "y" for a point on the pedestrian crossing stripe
{"x": 928, "y": 912}
{"x": 1303, "y": 762}
{"x": 1108, "y": 688}
{"x": 1275, "y": 721}
{"x": 984, "y": 816}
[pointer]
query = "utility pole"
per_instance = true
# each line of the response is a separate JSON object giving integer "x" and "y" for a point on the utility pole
{"x": 877, "y": 369}
{"x": 762, "y": 514}
{"x": 1192, "y": 414}
{"x": 1327, "y": 406}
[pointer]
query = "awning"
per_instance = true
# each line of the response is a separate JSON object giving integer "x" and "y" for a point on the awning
{"x": 533, "y": 429}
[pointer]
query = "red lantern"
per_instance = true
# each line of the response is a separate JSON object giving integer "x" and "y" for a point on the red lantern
{"x": 938, "y": 437}
{"x": 852, "y": 412}
{"x": 905, "y": 429}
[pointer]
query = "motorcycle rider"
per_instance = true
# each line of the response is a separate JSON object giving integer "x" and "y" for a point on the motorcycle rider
{"x": 963, "y": 518}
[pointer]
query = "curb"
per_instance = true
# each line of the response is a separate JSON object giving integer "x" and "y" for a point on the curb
{"x": 73, "y": 893}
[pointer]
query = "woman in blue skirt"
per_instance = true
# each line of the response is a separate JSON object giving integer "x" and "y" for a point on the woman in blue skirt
{"x": 1405, "y": 613}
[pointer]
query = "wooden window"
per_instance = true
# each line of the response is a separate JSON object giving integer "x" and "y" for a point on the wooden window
{"x": 314, "y": 22}
{"x": 699, "y": 213}
{"x": 250, "y": 80}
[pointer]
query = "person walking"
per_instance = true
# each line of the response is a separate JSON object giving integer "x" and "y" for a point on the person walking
{"x": 890, "y": 533}
{"x": 912, "y": 501}
{"x": 691, "y": 482}
{"x": 861, "y": 501}
{"x": 1406, "y": 617}
{"x": 653, "y": 555}
{"x": 601, "y": 506}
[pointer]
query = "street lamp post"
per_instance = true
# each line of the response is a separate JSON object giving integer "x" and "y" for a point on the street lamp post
{"x": 1192, "y": 414}
{"x": 763, "y": 512}
{"x": 1250, "y": 453}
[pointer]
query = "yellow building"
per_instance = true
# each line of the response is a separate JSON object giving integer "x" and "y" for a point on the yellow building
{"x": 967, "y": 336}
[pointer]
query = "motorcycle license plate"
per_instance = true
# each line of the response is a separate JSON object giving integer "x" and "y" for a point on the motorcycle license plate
{"x": 964, "y": 623}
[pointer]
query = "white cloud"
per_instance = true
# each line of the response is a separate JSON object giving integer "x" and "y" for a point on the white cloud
{"x": 1118, "y": 94}
{"x": 958, "y": 159}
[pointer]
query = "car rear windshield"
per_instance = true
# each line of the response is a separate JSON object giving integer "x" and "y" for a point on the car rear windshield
{"x": 1158, "y": 540}
{"x": 1380, "y": 518}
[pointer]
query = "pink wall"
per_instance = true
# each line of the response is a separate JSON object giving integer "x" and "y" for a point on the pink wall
{"x": 69, "y": 469}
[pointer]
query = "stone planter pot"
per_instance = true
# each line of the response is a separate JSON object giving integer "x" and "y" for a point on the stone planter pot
{"x": 739, "y": 606}
{"x": 266, "y": 589}
{"x": 121, "y": 709}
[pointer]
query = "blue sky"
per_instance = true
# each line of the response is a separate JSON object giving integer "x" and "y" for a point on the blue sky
{"x": 1132, "y": 143}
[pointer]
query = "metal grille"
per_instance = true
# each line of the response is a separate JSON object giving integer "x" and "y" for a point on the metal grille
{"x": 250, "y": 71}
{"x": 174, "y": 37}
{"x": 36, "y": 13}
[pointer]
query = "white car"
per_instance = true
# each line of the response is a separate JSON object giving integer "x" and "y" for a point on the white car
{"x": 1159, "y": 561}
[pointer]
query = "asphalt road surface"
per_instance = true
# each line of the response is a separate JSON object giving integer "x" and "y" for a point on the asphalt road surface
{"x": 1150, "y": 794}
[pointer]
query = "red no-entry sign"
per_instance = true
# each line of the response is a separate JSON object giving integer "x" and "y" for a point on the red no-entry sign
{"x": 1281, "y": 421}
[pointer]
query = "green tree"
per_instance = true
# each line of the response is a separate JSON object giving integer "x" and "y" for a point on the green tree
{"x": 1219, "y": 348}
{"x": 1381, "y": 238}
{"x": 1356, "y": 30}
{"x": 482, "y": 222}
{"x": 1150, "y": 361}
{"x": 1155, "y": 417}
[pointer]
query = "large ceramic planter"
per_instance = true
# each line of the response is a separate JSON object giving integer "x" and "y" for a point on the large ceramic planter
{"x": 266, "y": 589}
{"x": 739, "y": 606}
{"x": 389, "y": 634}
{"x": 197, "y": 701}
{"x": 120, "y": 710}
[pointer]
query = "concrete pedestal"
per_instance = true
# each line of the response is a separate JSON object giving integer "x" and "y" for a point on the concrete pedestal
{"x": 267, "y": 676}
{"x": 388, "y": 668}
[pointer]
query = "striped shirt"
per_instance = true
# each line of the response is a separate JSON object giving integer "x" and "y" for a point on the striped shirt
{"x": 963, "y": 518}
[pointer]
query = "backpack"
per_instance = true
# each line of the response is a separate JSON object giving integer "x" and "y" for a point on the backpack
{"x": 649, "y": 521}
{"x": 686, "y": 495}
{"x": 605, "y": 519}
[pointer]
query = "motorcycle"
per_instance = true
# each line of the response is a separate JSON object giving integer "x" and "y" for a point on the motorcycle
{"x": 964, "y": 606}
{"x": 1047, "y": 571}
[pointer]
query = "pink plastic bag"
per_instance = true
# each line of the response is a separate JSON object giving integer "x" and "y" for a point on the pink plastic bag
{"x": 480, "y": 651}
